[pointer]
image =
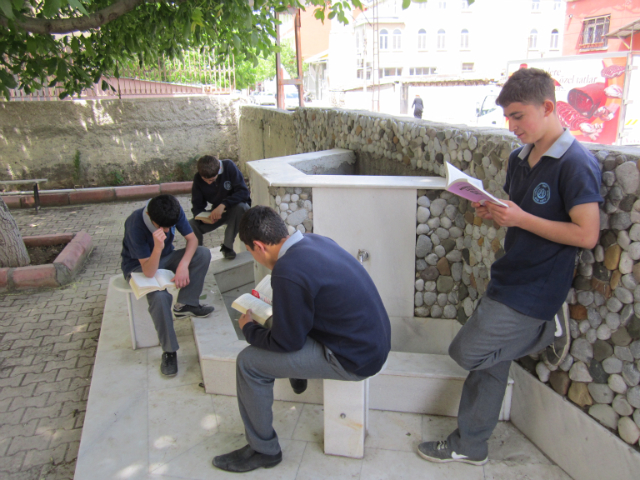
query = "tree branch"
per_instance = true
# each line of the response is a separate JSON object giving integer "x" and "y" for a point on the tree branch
{"x": 48, "y": 26}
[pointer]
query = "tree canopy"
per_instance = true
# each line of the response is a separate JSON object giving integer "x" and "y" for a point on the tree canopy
{"x": 73, "y": 43}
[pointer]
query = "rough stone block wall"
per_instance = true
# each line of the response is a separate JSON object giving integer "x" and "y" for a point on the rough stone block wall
{"x": 131, "y": 141}
{"x": 455, "y": 249}
{"x": 264, "y": 133}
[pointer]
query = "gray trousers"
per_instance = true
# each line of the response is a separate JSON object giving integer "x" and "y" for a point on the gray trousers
{"x": 256, "y": 370}
{"x": 230, "y": 218}
{"x": 493, "y": 337}
{"x": 160, "y": 301}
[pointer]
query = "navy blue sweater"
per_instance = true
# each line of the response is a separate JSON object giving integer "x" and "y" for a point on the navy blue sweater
{"x": 229, "y": 188}
{"x": 321, "y": 291}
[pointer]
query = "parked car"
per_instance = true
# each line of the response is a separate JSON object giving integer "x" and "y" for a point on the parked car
{"x": 263, "y": 98}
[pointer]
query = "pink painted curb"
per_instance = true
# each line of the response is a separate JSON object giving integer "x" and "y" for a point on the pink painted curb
{"x": 46, "y": 240}
{"x": 137, "y": 192}
{"x": 49, "y": 198}
{"x": 61, "y": 272}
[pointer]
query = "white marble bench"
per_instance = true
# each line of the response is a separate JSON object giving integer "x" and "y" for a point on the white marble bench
{"x": 143, "y": 331}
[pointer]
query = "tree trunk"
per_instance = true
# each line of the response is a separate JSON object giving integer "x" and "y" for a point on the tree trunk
{"x": 13, "y": 253}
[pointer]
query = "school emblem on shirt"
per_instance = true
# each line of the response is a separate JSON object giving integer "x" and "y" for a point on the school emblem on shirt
{"x": 542, "y": 194}
{"x": 227, "y": 185}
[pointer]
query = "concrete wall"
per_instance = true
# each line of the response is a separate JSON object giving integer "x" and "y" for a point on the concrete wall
{"x": 265, "y": 133}
{"x": 132, "y": 141}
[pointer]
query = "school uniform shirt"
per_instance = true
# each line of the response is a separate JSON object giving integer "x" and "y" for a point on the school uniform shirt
{"x": 535, "y": 274}
{"x": 228, "y": 189}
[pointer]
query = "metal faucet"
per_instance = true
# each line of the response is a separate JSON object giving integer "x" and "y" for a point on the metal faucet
{"x": 362, "y": 256}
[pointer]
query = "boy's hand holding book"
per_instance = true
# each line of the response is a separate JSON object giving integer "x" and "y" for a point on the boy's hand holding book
{"x": 245, "y": 318}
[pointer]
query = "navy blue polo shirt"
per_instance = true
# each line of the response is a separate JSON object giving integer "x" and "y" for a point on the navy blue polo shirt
{"x": 535, "y": 274}
{"x": 138, "y": 238}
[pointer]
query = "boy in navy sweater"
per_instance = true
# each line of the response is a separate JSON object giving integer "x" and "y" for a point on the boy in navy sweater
{"x": 328, "y": 322}
{"x": 553, "y": 184}
{"x": 221, "y": 184}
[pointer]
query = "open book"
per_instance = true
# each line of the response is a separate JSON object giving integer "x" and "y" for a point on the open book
{"x": 141, "y": 284}
{"x": 258, "y": 301}
{"x": 204, "y": 217}
{"x": 468, "y": 187}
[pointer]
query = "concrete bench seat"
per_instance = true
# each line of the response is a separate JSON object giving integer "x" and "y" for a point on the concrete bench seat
{"x": 143, "y": 331}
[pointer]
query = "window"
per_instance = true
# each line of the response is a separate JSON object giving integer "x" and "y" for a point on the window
{"x": 554, "y": 39}
{"x": 422, "y": 39}
{"x": 594, "y": 31}
{"x": 396, "y": 39}
{"x": 384, "y": 40}
{"x": 442, "y": 4}
{"x": 467, "y": 67}
{"x": 465, "y": 5}
{"x": 533, "y": 39}
{"x": 535, "y": 5}
{"x": 464, "y": 39}
{"x": 422, "y": 6}
{"x": 441, "y": 38}
{"x": 390, "y": 72}
{"x": 557, "y": 4}
{"x": 422, "y": 71}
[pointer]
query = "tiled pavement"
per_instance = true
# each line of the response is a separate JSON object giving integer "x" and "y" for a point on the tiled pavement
{"x": 48, "y": 342}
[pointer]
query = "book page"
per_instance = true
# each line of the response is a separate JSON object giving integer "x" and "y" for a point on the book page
{"x": 263, "y": 290}
{"x": 204, "y": 217}
{"x": 454, "y": 175}
{"x": 260, "y": 311}
{"x": 468, "y": 187}
{"x": 164, "y": 278}
{"x": 142, "y": 281}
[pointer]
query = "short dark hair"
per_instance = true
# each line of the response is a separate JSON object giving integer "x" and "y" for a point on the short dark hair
{"x": 164, "y": 210}
{"x": 263, "y": 224}
{"x": 528, "y": 85}
{"x": 208, "y": 166}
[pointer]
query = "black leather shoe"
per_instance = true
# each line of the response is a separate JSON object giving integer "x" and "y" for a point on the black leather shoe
{"x": 246, "y": 459}
{"x": 299, "y": 385}
{"x": 169, "y": 365}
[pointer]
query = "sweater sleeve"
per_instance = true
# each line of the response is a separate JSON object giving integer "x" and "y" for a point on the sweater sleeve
{"x": 293, "y": 312}
{"x": 198, "y": 202}
{"x": 239, "y": 191}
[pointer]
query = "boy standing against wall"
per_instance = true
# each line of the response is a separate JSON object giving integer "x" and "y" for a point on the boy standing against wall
{"x": 553, "y": 184}
{"x": 148, "y": 246}
{"x": 221, "y": 184}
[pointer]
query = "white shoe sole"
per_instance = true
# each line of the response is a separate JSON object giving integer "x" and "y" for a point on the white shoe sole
{"x": 477, "y": 463}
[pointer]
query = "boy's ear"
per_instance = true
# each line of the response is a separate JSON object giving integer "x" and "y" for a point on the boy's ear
{"x": 549, "y": 107}
{"x": 259, "y": 246}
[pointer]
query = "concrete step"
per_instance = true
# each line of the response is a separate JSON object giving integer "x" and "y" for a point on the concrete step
{"x": 411, "y": 382}
{"x": 230, "y": 274}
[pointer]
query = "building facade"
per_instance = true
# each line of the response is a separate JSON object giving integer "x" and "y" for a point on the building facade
{"x": 599, "y": 26}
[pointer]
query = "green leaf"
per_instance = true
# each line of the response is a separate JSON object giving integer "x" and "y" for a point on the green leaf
{"x": 75, "y": 44}
{"x": 51, "y": 8}
{"x": 254, "y": 39}
{"x": 237, "y": 44}
{"x": 105, "y": 85}
{"x": 406, "y": 4}
{"x": 32, "y": 45}
{"x": 7, "y": 79}
{"x": 332, "y": 14}
{"x": 187, "y": 31}
{"x": 79, "y": 6}
{"x": 7, "y": 10}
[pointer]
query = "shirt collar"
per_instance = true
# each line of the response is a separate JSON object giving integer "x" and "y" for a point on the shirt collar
{"x": 557, "y": 150}
{"x": 221, "y": 169}
{"x": 147, "y": 219}
{"x": 290, "y": 242}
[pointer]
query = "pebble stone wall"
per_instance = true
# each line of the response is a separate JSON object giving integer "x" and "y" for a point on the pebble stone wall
{"x": 295, "y": 207}
{"x": 455, "y": 249}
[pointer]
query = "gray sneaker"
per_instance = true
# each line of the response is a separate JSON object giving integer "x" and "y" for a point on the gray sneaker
{"x": 441, "y": 453}
{"x": 557, "y": 351}
{"x": 190, "y": 311}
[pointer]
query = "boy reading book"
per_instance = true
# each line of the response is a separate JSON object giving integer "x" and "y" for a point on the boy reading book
{"x": 148, "y": 247}
{"x": 221, "y": 184}
{"x": 328, "y": 322}
{"x": 553, "y": 184}
{"x": 141, "y": 284}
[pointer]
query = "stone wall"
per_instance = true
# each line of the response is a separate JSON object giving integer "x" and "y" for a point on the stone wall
{"x": 111, "y": 142}
{"x": 455, "y": 249}
{"x": 265, "y": 133}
